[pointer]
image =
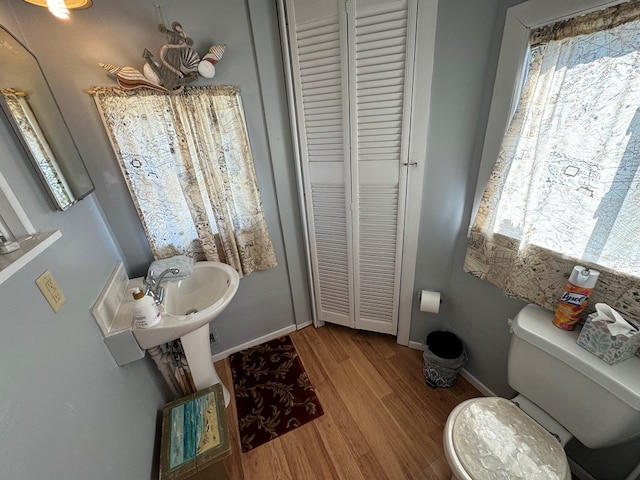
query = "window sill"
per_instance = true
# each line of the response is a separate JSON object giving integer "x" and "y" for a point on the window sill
{"x": 30, "y": 247}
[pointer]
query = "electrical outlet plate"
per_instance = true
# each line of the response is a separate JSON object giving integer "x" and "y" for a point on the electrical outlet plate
{"x": 51, "y": 291}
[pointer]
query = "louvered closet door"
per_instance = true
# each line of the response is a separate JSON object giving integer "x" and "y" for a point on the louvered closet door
{"x": 351, "y": 77}
{"x": 317, "y": 43}
{"x": 381, "y": 39}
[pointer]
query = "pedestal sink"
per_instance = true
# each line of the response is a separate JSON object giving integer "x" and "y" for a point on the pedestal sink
{"x": 188, "y": 307}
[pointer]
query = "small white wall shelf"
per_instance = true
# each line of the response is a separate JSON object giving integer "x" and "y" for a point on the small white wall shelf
{"x": 30, "y": 247}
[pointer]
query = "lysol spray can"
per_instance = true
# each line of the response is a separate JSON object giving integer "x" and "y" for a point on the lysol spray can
{"x": 575, "y": 296}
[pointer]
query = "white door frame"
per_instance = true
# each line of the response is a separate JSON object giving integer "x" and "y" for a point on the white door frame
{"x": 421, "y": 104}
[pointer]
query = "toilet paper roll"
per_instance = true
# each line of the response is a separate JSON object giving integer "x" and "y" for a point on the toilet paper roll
{"x": 429, "y": 301}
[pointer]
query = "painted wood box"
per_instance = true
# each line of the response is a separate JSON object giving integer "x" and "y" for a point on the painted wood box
{"x": 195, "y": 434}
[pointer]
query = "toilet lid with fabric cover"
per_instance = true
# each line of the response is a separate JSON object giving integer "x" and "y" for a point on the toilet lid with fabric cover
{"x": 495, "y": 440}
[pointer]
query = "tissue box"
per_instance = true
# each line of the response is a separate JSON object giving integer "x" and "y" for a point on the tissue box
{"x": 596, "y": 338}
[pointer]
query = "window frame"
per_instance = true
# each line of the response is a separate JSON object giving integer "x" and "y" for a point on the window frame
{"x": 520, "y": 20}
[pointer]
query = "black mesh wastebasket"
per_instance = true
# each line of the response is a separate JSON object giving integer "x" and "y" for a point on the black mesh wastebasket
{"x": 444, "y": 355}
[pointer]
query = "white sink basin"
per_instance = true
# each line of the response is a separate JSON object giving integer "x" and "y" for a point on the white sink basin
{"x": 188, "y": 307}
{"x": 191, "y": 303}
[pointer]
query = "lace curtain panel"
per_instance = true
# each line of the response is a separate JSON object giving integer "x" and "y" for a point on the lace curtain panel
{"x": 565, "y": 189}
{"x": 188, "y": 165}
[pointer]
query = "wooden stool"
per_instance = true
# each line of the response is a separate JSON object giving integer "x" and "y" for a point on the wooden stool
{"x": 195, "y": 436}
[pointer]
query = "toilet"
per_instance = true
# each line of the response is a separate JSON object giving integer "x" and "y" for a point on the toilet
{"x": 563, "y": 391}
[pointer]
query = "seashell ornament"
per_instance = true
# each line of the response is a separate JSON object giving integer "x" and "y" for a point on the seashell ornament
{"x": 189, "y": 59}
{"x": 206, "y": 67}
{"x": 217, "y": 51}
{"x": 150, "y": 74}
{"x": 130, "y": 78}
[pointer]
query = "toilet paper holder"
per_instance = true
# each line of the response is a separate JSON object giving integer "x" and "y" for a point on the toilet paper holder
{"x": 430, "y": 301}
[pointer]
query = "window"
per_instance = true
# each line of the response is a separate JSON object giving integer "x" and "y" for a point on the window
{"x": 566, "y": 186}
{"x": 189, "y": 168}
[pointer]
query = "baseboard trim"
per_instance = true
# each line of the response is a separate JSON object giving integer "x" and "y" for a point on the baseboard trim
{"x": 300, "y": 326}
{"x": 579, "y": 472}
{"x": 252, "y": 343}
{"x": 486, "y": 391}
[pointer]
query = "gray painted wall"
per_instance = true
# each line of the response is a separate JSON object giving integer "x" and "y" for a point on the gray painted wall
{"x": 467, "y": 44}
{"x": 66, "y": 409}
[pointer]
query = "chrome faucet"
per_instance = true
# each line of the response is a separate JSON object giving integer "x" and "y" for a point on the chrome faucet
{"x": 152, "y": 284}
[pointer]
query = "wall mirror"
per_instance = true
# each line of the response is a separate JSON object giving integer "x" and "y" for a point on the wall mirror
{"x": 30, "y": 108}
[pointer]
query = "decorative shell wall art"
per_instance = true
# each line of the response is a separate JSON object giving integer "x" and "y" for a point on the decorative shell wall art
{"x": 177, "y": 64}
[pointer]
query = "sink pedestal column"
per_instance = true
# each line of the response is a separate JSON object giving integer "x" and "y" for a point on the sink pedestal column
{"x": 198, "y": 351}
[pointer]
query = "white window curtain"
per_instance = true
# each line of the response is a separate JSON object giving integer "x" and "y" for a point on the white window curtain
{"x": 565, "y": 189}
{"x": 188, "y": 165}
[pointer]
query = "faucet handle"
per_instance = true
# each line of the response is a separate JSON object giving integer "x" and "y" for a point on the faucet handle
{"x": 150, "y": 285}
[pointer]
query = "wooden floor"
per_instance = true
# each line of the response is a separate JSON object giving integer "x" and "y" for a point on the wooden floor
{"x": 381, "y": 421}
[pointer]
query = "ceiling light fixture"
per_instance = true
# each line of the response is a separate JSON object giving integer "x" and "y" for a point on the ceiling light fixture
{"x": 60, "y": 8}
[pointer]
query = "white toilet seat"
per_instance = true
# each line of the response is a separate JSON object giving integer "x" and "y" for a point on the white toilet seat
{"x": 490, "y": 438}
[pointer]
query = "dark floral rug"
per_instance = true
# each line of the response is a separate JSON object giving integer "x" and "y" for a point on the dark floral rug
{"x": 273, "y": 392}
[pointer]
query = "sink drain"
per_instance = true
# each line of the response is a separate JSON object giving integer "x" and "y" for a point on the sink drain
{"x": 193, "y": 310}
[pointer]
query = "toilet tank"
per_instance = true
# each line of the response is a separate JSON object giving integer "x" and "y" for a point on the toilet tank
{"x": 597, "y": 402}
